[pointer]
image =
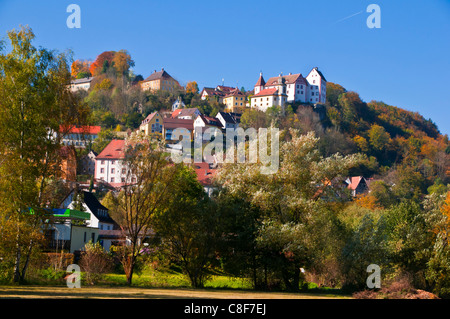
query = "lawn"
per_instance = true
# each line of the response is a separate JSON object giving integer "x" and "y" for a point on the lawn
{"x": 102, "y": 292}
{"x": 153, "y": 284}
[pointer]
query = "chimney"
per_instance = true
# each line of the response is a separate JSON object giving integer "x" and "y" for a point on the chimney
{"x": 162, "y": 69}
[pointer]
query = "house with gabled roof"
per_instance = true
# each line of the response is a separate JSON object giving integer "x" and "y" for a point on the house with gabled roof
{"x": 178, "y": 104}
{"x": 184, "y": 126}
{"x": 235, "y": 100}
{"x": 160, "y": 80}
{"x": 80, "y": 84}
{"x": 218, "y": 93}
{"x": 109, "y": 165}
{"x": 186, "y": 114}
{"x": 153, "y": 123}
{"x": 99, "y": 217}
{"x": 357, "y": 185}
{"x": 229, "y": 119}
{"x": 205, "y": 175}
{"x": 270, "y": 97}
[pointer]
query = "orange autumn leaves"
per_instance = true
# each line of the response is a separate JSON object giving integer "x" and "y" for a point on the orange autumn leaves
{"x": 120, "y": 61}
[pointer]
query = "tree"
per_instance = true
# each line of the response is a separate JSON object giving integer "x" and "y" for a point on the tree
{"x": 149, "y": 179}
{"x": 96, "y": 68}
{"x": 192, "y": 87}
{"x": 333, "y": 92}
{"x": 378, "y": 138}
{"x": 80, "y": 69}
{"x": 189, "y": 227}
{"x": 290, "y": 197}
{"x": 122, "y": 62}
{"x": 35, "y": 103}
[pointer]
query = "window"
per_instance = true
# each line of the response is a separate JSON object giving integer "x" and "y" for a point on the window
{"x": 298, "y": 86}
{"x": 84, "y": 236}
{"x": 312, "y": 93}
{"x": 93, "y": 237}
{"x": 113, "y": 170}
{"x": 124, "y": 171}
{"x": 113, "y": 162}
{"x": 102, "y": 170}
{"x": 103, "y": 162}
{"x": 112, "y": 179}
{"x": 298, "y": 92}
{"x": 122, "y": 179}
{"x": 301, "y": 93}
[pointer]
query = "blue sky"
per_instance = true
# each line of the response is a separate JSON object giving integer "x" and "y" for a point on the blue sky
{"x": 405, "y": 63}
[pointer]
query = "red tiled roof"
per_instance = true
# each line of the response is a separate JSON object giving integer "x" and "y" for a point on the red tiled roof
{"x": 291, "y": 78}
{"x": 149, "y": 118}
{"x": 204, "y": 173}
{"x": 225, "y": 89}
{"x": 176, "y": 112}
{"x": 172, "y": 123}
{"x": 114, "y": 150}
{"x": 85, "y": 129}
{"x": 184, "y": 112}
{"x": 212, "y": 92}
{"x": 266, "y": 92}
{"x": 236, "y": 92}
{"x": 261, "y": 81}
{"x": 354, "y": 182}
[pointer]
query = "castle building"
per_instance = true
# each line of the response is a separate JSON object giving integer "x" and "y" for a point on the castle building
{"x": 282, "y": 89}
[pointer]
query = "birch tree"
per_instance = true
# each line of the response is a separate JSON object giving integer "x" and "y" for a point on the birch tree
{"x": 34, "y": 103}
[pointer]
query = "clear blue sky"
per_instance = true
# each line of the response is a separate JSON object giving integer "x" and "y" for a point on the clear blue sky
{"x": 405, "y": 63}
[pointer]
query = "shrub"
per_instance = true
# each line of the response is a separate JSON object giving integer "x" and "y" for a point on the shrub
{"x": 95, "y": 262}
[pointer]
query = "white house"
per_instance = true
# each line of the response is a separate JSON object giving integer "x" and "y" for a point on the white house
{"x": 178, "y": 104}
{"x": 81, "y": 84}
{"x": 98, "y": 215}
{"x": 109, "y": 166}
{"x": 229, "y": 120}
{"x": 63, "y": 234}
{"x": 275, "y": 95}
{"x": 317, "y": 90}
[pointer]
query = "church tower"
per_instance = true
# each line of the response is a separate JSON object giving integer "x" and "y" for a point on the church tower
{"x": 259, "y": 86}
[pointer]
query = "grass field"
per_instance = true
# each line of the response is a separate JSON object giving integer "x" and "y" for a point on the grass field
{"x": 94, "y": 292}
{"x": 153, "y": 284}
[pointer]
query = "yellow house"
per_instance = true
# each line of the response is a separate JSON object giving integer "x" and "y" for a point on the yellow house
{"x": 160, "y": 80}
{"x": 234, "y": 101}
{"x": 152, "y": 124}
